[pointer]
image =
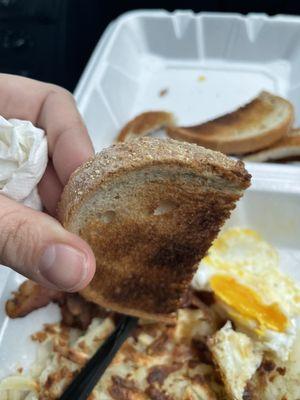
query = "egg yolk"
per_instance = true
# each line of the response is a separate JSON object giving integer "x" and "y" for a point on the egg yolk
{"x": 247, "y": 303}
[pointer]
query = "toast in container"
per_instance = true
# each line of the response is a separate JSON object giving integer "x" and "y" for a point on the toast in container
{"x": 286, "y": 149}
{"x": 255, "y": 126}
{"x": 144, "y": 124}
{"x": 149, "y": 209}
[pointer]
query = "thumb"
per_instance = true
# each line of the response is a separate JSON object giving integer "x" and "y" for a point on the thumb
{"x": 38, "y": 247}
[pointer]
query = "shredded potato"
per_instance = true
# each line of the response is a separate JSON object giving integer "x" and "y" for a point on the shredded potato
{"x": 201, "y": 356}
{"x": 153, "y": 347}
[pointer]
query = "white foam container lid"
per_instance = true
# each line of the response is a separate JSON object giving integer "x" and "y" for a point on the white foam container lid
{"x": 144, "y": 52}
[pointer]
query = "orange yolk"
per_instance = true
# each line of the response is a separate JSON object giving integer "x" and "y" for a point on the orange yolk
{"x": 247, "y": 303}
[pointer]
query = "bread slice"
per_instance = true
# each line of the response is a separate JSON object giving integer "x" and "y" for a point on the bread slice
{"x": 286, "y": 149}
{"x": 149, "y": 209}
{"x": 255, "y": 126}
{"x": 144, "y": 124}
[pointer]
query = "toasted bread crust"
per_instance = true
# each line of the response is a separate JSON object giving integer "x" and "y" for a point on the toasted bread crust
{"x": 145, "y": 262}
{"x": 113, "y": 161}
{"x": 226, "y": 133}
{"x": 144, "y": 124}
{"x": 285, "y": 149}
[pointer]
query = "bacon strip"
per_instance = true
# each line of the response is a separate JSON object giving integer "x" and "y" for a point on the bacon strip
{"x": 29, "y": 297}
{"x": 76, "y": 312}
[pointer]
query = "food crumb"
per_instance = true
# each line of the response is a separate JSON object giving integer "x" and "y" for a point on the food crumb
{"x": 201, "y": 78}
{"x": 39, "y": 337}
{"x": 281, "y": 371}
{"x": 163, "y": 92}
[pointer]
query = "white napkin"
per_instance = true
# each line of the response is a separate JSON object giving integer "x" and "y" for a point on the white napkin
{"x": 23, "y": 160}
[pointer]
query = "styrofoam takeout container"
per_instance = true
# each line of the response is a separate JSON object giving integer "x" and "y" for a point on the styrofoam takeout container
{"x": 144, "y": 52}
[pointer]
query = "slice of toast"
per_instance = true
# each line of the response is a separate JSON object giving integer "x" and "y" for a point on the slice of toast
{"x": 286, "y": 149}
{"x": 253, "y": 127}
{"x": 145, "y": 123}
{"x": 149, "y": 209}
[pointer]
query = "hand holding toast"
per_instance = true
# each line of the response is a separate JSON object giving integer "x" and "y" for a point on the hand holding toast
{"x": 33, "y": 243}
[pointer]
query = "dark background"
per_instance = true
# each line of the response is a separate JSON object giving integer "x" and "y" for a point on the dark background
{"x": 52, "y": 40}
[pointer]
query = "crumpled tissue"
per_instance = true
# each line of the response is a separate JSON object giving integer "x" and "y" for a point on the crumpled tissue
{"x": 23, "y": 160}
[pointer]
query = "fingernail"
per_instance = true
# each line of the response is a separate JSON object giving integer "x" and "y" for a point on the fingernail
{"x": 63, "y": 266}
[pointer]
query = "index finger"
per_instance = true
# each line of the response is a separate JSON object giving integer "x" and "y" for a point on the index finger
{"x": 53, "y": 109}
{"x": 68, "y": 139}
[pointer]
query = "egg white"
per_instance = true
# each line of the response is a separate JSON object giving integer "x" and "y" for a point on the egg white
{"x": 243, "y": 255}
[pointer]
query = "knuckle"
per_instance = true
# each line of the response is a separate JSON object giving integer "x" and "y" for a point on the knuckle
{"x": 64, "y": 92}
{"x": 67, "y": 93}
{"x": 59, "y": 91}
{"x": 17, "y": 239}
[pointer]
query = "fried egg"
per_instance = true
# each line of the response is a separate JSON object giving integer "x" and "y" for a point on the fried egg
{"x": 242, "y": 270}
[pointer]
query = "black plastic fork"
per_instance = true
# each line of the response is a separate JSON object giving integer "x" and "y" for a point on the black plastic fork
{"x": 90, "y": 374}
